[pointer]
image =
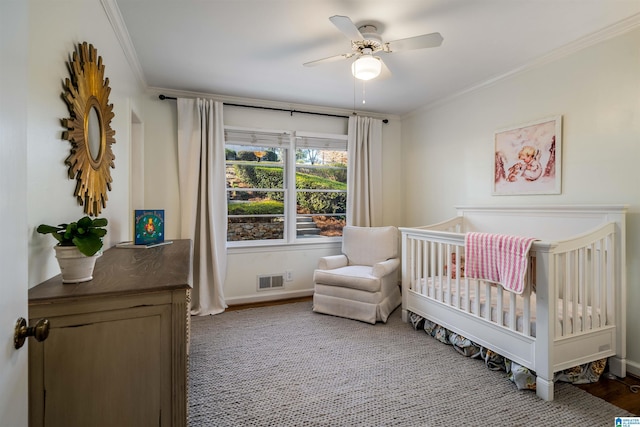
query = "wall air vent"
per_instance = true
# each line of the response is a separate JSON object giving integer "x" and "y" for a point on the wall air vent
{"x": 275, "y": 281}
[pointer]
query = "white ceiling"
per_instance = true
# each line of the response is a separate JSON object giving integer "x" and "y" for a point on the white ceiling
{"x": 256, "y": 48}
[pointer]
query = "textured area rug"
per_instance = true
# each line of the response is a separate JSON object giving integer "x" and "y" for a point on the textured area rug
{"x": 287, "y": 366}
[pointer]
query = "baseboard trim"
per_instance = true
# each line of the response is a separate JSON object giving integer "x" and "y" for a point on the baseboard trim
{"x": 633, "y": 368}
{"x": 272, "y": 296}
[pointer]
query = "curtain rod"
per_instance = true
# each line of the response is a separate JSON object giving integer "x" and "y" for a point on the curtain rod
{"x": 163, "y": 97}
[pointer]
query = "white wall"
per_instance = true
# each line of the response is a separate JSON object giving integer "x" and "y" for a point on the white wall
{"x": 244, "y": 265}
{"x": 448, "y": 149}
{"x": 55, "y": 29}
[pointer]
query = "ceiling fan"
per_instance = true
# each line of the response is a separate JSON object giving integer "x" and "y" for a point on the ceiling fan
{"x": 366, "y": 42}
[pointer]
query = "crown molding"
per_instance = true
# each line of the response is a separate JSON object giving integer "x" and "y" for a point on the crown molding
{"x": 122, "y": 34}
{"x": 615, "y": 30}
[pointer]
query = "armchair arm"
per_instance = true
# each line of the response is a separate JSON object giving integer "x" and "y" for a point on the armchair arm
{"x": 332, "y": 261}
{"x": 384, "y": 268}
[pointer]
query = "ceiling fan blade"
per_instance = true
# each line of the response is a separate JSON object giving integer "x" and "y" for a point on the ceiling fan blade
{"x": 346, "y": 26}
{"x": 328, "y": 60}
{"x": 385, "y": 73}
{"x": 417, "y": 42}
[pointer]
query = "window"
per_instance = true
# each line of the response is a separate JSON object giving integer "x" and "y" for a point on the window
{"x": 285, "y": 186}
{"x": 321, "y": 186}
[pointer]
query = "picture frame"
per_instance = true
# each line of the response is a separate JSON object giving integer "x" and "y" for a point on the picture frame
{"x": 528, "y": 158}
{"x": 149, "y": 226}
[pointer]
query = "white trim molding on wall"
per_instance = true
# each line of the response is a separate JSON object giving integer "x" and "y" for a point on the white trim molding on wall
{"x": 607, "y": 33}
{"x": 120, "y": 30}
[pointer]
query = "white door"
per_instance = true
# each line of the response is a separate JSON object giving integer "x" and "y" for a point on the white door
{"x": 13, "y": 208}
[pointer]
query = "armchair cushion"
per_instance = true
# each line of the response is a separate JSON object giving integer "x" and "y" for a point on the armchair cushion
{"x": 384, "y": 268}
{"x": 333, "y": 261}
{"x": 353, "y": 276}
{"x": 369, "y": 245}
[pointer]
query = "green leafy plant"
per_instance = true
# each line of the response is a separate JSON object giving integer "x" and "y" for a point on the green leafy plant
{"x": 265, "y": 207}
{"x": 86, "y": 234}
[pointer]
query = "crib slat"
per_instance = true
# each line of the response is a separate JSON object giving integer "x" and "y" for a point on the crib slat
{"x": 424, "y": 270}
{"x": 424, "y": 273}
{"x": 499, "y": 304}
{"x": 526, "y": 313}
{"x": 412, "y": 265}
{"x": 429, "y": 272}
{"x": 421, "y": 266}
{"x": 614, "y": 293}
{"x": 574, "y": 283}
{"x": 602, "y": 283}
{"x": 413, "y": 273}
{"x": 585, "y": 324}
{"x": 513, "y": 318}
{"x": 467, "y": 299}
{"x": 487, "y": 298}
{"x": 599, "y": 305}
{"x": 594, "y": 298}
{"x": 444, "y": 259}
{"x": 459, "y": 274}
{"x": 562, "y": 273}
{"x": 563, "y": 282}
{"x": 435, "y": 280}
{"x": 476, "y": 300}
{"x": 594, "y": 288}
{"x": 433, "y": 273}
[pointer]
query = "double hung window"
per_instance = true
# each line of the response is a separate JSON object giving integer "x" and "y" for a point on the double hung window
{"x": 284, "y": 186}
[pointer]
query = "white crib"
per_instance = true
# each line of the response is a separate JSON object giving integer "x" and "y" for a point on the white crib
{"x": 573, "y": 308}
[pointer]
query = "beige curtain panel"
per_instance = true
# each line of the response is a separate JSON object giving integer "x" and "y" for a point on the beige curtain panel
{"x": 203, "y": 204}
{"x": 364, "y": 181}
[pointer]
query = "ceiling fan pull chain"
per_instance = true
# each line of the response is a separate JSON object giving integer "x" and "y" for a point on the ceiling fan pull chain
{"x": 354, "y": 95}
{"x": 363, "y": 93}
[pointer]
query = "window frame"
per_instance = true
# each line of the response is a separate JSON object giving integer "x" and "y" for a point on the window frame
{"x": 287, "y": 140}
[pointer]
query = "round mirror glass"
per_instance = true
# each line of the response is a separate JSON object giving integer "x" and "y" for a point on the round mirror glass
{"x": 94, "y": 133}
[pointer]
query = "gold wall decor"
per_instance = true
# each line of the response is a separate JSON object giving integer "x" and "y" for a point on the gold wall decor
{"x": 89, "y": 128}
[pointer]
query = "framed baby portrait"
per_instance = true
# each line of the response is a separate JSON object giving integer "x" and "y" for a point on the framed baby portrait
{"x": 527, "y": 158}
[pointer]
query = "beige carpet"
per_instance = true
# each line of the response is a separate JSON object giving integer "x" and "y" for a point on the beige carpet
{"x": 287, "y": 366}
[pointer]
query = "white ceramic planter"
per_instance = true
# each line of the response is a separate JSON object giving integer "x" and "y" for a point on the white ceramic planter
{"x": 74, "y": 265}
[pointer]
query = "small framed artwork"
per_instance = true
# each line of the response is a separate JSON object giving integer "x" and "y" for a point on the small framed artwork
{"x": 528, "y": 158}
{"x": 149, "y": 226}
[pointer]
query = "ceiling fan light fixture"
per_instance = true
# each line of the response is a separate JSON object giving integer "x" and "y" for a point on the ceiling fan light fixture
{"x": 366, "y": 67}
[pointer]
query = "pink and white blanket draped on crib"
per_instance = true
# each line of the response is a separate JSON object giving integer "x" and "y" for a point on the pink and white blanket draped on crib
{"x": 498, "y": 258}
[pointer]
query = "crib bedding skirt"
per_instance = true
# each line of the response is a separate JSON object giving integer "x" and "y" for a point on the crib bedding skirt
{"x": 522, "y": 377}
{"x": 474, "y": 294}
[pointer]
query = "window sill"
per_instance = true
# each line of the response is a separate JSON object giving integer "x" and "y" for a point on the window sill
{"x": 284, "y": 246}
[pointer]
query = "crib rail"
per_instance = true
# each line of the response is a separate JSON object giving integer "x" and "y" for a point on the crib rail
{"x": 577, "y": 276}
{"x": 434, "y": 268}
{"x": 584, "y": 282}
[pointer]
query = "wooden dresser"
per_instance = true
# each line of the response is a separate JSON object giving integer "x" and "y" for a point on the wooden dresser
{"x": 117, "y": 351}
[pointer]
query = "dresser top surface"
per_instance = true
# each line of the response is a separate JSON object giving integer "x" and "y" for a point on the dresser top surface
{"x": 122, "y": 271}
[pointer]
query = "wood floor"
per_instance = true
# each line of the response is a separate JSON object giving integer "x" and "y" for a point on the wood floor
{"x": 617, "y": 391}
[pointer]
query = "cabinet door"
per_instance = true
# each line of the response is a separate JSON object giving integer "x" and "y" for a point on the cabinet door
{"x": 107, "y": 369}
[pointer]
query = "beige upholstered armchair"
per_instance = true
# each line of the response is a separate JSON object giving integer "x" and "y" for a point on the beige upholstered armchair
{"x": 362, "y": 282}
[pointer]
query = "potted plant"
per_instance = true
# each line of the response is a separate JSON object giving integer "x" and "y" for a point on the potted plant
{"x": 79, "y": 245}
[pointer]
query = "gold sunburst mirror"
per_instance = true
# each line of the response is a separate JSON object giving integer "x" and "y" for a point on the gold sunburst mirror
{"x": 89, "y": 129}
